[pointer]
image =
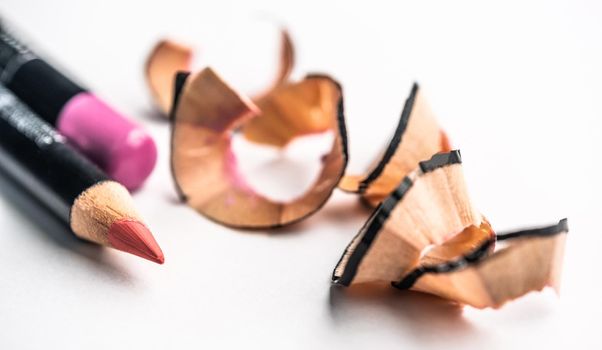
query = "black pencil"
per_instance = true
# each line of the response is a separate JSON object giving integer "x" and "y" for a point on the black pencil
{"x": 117, "y": 145}
{"x": 96, "y": 208}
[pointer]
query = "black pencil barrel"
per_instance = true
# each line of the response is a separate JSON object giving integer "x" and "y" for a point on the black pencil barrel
{"x": 37, "y": 156}
{"x": 44, "y": 89}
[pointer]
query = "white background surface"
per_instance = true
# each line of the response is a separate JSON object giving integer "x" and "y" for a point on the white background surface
{"x": 517, "y": 85}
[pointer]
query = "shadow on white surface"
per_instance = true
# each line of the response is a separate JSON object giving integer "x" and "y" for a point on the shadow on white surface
{"x": 154, "y": 116}
{"x": 57, "y": 233}
{"x": 340, "y": 212}
{"x": 421, "y": 315}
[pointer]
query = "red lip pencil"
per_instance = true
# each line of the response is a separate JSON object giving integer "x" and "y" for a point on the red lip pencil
{"x": 97, "y": 209}
{"x": 117, "y": 145}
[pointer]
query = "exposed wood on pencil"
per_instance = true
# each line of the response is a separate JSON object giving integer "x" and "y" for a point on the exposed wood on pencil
{"x": 68, "y": 184}
{"x": 204, "y": 166}
{"x": 104, "y": 214}
{"x": 417, "y": 137}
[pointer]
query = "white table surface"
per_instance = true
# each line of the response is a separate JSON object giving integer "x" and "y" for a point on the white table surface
{"x": 517, "y": 85}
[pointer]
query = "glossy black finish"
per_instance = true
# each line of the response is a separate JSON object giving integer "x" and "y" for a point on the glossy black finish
{"x": 44, "y": 89}
{"x": 34, "y": 154}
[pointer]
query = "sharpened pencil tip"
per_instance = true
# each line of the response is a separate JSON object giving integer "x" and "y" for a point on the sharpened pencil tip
{"x": 133, "y": 237}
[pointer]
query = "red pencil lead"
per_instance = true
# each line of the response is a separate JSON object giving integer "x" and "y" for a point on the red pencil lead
{"x": 133, "y": 237}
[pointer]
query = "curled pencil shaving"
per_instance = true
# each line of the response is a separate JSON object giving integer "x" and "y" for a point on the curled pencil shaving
{"x": 463, "y": 267}
{"x": 430, "y": 206}
{"x": 286, "y": 63}
{"x": 169, "y": 57}
{"x": 166, "y": 58}
{"x": 204, "y": 167}
{"x": 528, "y": 260}
{"x": 417, "y": 137}
{"x": 276, "y": 128}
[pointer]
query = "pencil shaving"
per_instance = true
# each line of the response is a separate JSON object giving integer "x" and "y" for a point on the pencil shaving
{"x": 166, "y": 58}
{"x": 169, "y": 57}
{"x": 427, "y": 237}
{"x": 528, "y": 261}
{"x": 204, "y": 167}
{"x": 286, "y": 63}
{"x": 417, "y": 137}
{"x": 431, "y": 206}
